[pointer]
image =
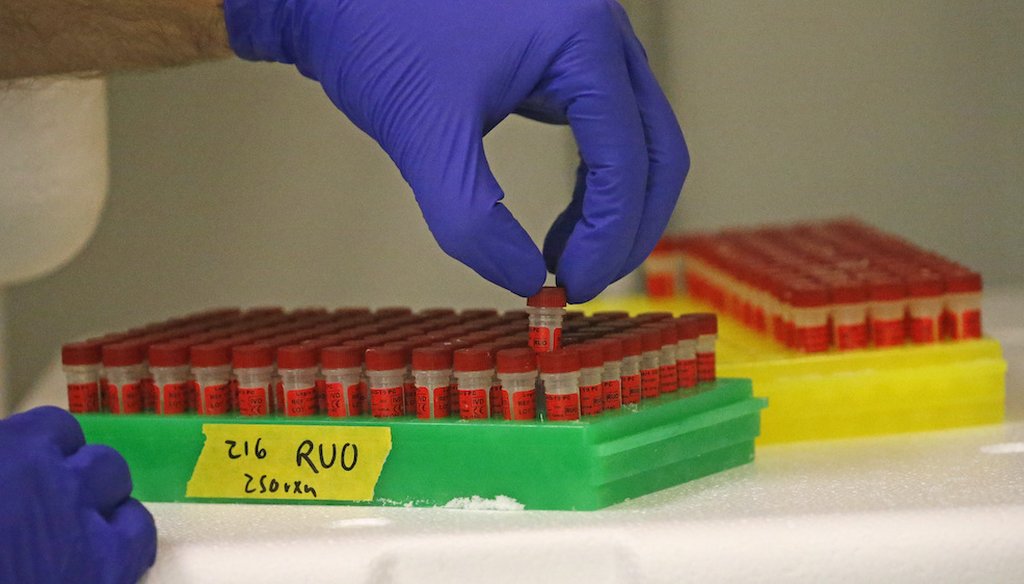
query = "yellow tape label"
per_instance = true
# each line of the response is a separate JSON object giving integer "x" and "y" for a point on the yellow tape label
{"x": 282, "y": 461}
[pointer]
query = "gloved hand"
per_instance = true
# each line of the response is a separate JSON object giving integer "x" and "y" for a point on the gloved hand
{"x": 428, "y": 79}
{"x": 65, "y": 513}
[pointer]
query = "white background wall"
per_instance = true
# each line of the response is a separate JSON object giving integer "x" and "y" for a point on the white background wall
{"x": 237, "y": 183}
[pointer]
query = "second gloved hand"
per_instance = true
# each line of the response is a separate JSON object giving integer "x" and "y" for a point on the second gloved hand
{"x": 427, "y": 79}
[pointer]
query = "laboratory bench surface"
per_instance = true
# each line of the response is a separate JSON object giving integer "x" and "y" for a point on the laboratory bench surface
{"x": 925, "y": 507}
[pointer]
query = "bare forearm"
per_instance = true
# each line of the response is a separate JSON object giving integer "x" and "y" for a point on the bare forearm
{"x": 44, "y": 37}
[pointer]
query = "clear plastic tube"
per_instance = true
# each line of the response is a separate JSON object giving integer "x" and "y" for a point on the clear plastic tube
{"x": 562, "y": 395}
{"x": 299, "y": 389}
{"x": 254, "y": 390}
{"x": 474, "y": 394}
{"x": 387, "y": 388}
{"x": 518, "y": 395}
{"x": 83, "y": 383}
{"x": 343, "y": 392}
{"x": 591, "y": 391}
{"x": 170, "y": 388}
{"x": 212, "y": 386}
{"x": 631, "y": 380}
{"x": 432, "y": 393}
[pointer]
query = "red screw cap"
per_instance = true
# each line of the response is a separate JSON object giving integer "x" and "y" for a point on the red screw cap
{"x": 650, "y": 338}
{"x": 548, "y": 297}
{"x": 632, "y": 343}
{"x": 84, "y": 353}
{"x": 385, "y": 358}
{"x": 173, "y": 354}
{"x": 433, "y": 358}
{"x": 123, "y": 354}
{"x": 562, "y": 361}
{"x": 296, "y": 357}
{"x": 473, "y": 359}
{"x": 341, "y": 357}
{"x": 591, "y": 354}
{"x": 210, "y": 354}
{"x": 518, "y": 360}
{"x": 707, "y": 323}
{"x": 611, "y": 348}
{"x": 252, "y": 356}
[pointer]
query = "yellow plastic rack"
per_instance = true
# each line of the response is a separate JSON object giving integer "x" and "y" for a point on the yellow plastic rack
{"x": 851, "y": 393}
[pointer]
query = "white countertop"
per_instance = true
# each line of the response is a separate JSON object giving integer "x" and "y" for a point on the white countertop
{"x": 945, "y": 506}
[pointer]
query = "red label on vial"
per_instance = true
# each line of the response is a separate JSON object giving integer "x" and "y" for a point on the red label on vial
{"x": 473, "y": 404}
{"x": 812, "y": 339}
{"x": 562, "y": 407}
{"x": 409, "y": 396}
{"x": 650, "y": 383}
{"x": 970, "y": 325}
{"x": 923, "y": 330}
{"x": 252, "y": 401}
{"x": 851, "y": 336}
{"x": 686, "y": 372}
{"x": 441, "y": 402}
{"x": 705, "y": 367}
{"x": 336, "y": 394}
{"x": 300, "y": 402}
{"x": 387, "y": 402}
{"x": 126, "y": 399}
{"x": 172, "y": 398}
{"x": 496, "y": 397}
{"x": 612, "y": 391}
{"x": 544, "y": 339}
{"x": 214, "y": 399}
{"x": 887, "y": 333}
{"x": 321, "y": 395}
{"x": 591, "y": 399}
{"x": 668, "y": 378}
{"x": 631, "y": 389}
{"x": 523, "y": 405}
{"x": 278, "y": 405}
{"x": 233, "y": 395}
{"x": 83, "y": 397}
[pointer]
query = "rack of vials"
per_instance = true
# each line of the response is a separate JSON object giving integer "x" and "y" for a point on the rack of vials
{"x": 545, "y": 407}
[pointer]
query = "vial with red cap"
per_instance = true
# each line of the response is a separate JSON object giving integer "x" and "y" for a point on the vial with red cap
{"x": 432, "y": 370}
{"x": 849, "y": 315}
{"x": 385, "y": 372}
{"x": 253, "y": 366}
{"x": 210, "y": 365}
{"x": 82, "y": 363}
{"x": 124, "y": 370}
{"x": 474, "y": 371}
{"x": 887, "y": 297}
{"x": 611, "y": 373}
{"x": 962, "y": 304}
{"x": 809, "y": 310}
{"x": 687, "y": 331}
{"x": 560, "y": 375}
{"x": 297, "y": 366}
{"x": 632, "y": 349}
{"x": 342, "y": 368}
{"x": 707, "y": 339}
{"x": 591, "y": 372}
{"x": 168, "y": 364}
{"x": 925, "y": 292}
{"x": 517, "y": 374}
{"x": 650, "y": 362}
{"x": 668, "y": 368}
{"x": 546, "y": 309}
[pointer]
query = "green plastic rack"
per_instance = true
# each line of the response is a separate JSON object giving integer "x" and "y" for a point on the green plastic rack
{"x": 582, "y": 465}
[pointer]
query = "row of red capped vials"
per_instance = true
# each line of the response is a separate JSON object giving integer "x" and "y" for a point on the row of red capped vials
{"x": 836, "y": 284}
{"x": 544, "y": 362}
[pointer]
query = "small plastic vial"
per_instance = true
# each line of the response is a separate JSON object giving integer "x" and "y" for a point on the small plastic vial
{"x": 123, "y": 368}
{"x": 687, "y": 330}
{"x": 611, "y": 373}
{"x": 82, "y": 363}
{"x": 211, "y": 378}
{"x": 432, "y": 370}
{"x": 924, "y": 309}
{"x": 810, "y": 304}
{"x": 546, "y": 309}
{"x": 668, "y": 369}
{"x": 650, "y": 362}
{"x": 887, "y": 295}
{"x": 342, "y": 367}
{"x": 474, "y": 371}
{"x": 560, "y": 374}
{"x": 385, "y": 371}
{"x": 168, "y": 363}
{"x": 517, "y": 373}
{"x": 849, "y": 314}
{"x": 632, "y": 349}
{"x": 297, "y": 367}
{"x": 409, "y": 382}
{"x": 707, "y": 338}
{"x": 963, "y": 304}
{"x": 591, "y": 385}
{"x": 253, "y": 367}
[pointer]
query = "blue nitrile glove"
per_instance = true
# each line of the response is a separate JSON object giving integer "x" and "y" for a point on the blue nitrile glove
{"x": 428, "y": 79}
{"x": 65, "y": 513}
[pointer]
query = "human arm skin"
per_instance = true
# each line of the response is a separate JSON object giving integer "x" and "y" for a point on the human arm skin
{"x": 49, "y": 37}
